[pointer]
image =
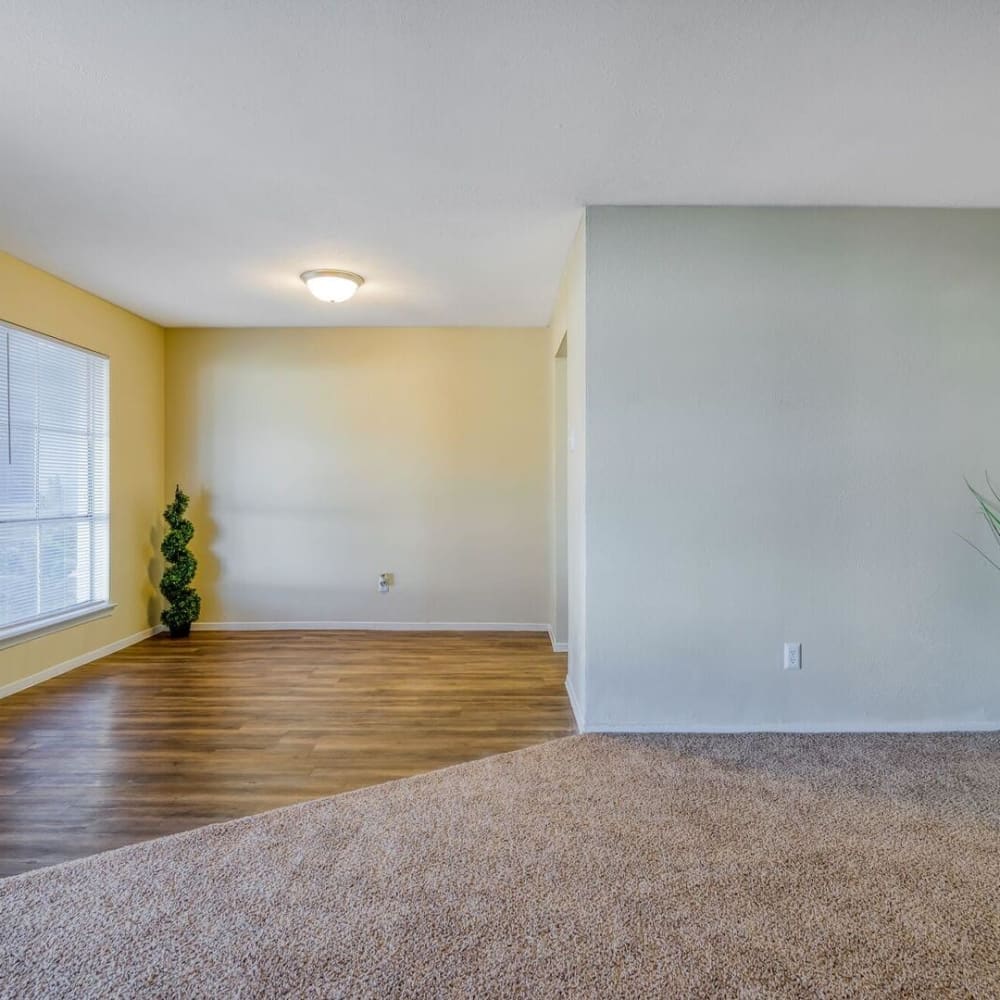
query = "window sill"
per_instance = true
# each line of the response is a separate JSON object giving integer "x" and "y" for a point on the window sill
{"x": 54, "y": 623}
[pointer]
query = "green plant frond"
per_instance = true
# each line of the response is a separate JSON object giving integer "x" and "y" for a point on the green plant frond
{"x": 993, "y": 489}
{"x": 979, "y": 495}
{"x": 980, "y": 551}
{"x": 991, "y": 512}
{"x": 994, "y": 527}
{"x": 990, "y": 509}
{"x": 992, "y": 516}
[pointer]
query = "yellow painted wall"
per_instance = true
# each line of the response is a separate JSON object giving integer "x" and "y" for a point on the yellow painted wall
{"x": 36, "y": 300}
{"x": 318, "y": 458}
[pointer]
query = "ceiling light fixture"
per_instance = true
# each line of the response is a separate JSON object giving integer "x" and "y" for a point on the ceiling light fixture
{"x": 332, "y": 286}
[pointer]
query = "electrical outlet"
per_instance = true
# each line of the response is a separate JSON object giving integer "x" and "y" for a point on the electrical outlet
{"x": 385, "y": 581}
{"x": 793, "y": 655}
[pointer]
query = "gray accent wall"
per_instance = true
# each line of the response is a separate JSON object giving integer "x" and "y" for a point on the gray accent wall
{"x": 781, "y": 405}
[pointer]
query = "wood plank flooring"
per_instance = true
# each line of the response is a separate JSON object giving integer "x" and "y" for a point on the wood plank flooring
{"x": 172, "y": 734}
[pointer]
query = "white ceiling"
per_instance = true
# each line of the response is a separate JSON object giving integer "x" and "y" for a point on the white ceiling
{"x": 188, "y": 158}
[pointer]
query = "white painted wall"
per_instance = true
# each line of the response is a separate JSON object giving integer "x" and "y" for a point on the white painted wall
{"x": 780, "y": 407}
{"x": 569, "y": 319}
{"x": 559, "y": 572}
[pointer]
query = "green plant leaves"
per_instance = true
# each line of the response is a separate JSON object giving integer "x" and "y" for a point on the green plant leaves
{"x": 185, "y": 604}
{"x": 990, "y": 509}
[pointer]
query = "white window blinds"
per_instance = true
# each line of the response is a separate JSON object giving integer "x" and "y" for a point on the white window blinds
{"x": 53, "y": 480}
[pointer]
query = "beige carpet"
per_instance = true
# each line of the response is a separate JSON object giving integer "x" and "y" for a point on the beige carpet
{"x": 594, "y": 866}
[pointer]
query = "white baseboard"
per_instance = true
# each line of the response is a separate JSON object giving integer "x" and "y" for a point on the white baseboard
{"x": 557, "y": 647}
{"x": 577, "y": 705}
{"x": 78, "y": 661}
{"x": 370, "y": 626}
{"x": 920, "y": 726}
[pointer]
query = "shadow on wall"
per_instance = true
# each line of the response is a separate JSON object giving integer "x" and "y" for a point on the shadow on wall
{"x": 203, "y": 545}
{"x": 154, "y": 572}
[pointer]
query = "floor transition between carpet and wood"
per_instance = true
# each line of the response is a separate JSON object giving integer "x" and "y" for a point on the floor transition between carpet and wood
{"x": 170, "y": 735}
{"x": 593, "y": 866}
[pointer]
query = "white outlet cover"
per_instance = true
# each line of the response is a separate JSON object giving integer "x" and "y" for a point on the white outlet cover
{"x": 793, "y": 655}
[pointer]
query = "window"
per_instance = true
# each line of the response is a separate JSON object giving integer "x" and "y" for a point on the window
{"x": 53, "y": 482}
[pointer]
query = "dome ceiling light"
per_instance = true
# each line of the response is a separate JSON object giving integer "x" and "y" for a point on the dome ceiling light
{"x": 332, "y": 286}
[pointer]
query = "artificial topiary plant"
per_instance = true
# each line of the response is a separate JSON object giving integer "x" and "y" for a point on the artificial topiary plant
{"x": 185, "y": 604}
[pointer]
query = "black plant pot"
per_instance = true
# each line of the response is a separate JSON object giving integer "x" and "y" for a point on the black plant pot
{"x": 180, "y": 631}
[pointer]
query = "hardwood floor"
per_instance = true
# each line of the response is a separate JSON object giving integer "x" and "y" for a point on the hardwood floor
{"x": 168, "y": 735}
